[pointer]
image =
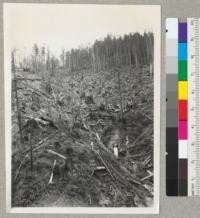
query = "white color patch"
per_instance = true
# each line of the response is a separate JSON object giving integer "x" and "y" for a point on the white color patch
{"x": 182, "y": 149}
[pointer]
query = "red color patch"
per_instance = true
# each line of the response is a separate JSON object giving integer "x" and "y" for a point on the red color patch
{"x": 182, "y": 110}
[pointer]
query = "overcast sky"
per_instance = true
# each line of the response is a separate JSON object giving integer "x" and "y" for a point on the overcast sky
{"x": 69, "y": 26}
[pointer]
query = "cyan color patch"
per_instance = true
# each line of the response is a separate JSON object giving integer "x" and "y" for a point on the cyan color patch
{"x": 182, "y": 51}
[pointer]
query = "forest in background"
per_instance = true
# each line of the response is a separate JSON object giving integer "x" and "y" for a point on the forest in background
{"x": 129, "y": 50}
{"x": 70, "y": 115}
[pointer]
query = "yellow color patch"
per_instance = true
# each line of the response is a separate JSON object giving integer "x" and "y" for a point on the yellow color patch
{"x": 182, "y": 90}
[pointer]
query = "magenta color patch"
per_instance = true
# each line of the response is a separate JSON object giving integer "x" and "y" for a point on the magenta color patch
{"x": 182, "y": 130}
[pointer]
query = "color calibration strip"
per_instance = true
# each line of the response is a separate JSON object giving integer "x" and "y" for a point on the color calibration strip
{"x": 182, "y": 110}
{"x": 177, "y": 108}
{"x": 183, "y": 107}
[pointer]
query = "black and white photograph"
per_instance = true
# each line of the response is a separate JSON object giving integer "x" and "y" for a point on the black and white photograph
{"x": 82, "y": 100}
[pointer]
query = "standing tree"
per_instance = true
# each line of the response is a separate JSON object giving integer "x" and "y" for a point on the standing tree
{"x": 62, "y": 58}
{"x": 120, "y": 94}
{"x": 43, "y": 55}
{"x": 16, "y": 95}
{"x": 35, "y": 57}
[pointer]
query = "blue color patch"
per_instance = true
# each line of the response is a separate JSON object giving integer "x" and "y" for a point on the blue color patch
{"x": 182, "y": 51}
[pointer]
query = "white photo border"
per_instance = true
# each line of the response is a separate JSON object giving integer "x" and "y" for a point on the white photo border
{"x": 84, "y": 210}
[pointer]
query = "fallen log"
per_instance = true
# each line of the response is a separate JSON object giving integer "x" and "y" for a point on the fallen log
{"x": 120, "y": 177}
{"x": 38, "y": 120}
{"x": 108, "y": 170}
{"x": 121, "y": 173}
{"x": 57, "y": 154}
{"x": 111, "y": 156}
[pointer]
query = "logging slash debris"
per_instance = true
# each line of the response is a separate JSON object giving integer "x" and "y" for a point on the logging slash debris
{"x": 93, "y": 155}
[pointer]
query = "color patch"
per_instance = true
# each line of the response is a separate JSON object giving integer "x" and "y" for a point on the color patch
{"x": 182, "y": 32}
{"x": 182, "y": 130}
{"x": 183, "y": 169}
{"x": 182, "y": 51}
{"x": 182, "y": 110}
{"x": 183, "y": 183}
{"x": 182, "y": 149}
{"x": 182, "y": 70}
{"x": 171, "y": 47}
{"x": 182, "y": 90}
{"x": 171, "y": 65}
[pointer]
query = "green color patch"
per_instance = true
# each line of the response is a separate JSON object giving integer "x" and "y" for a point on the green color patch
{"x": 182, "y": 70}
